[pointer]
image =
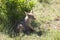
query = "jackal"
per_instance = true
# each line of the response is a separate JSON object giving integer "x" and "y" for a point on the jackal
{"x": 25, "y": 25}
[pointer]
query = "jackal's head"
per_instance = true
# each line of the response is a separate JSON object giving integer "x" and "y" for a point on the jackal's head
{"x": 30, "y": 15}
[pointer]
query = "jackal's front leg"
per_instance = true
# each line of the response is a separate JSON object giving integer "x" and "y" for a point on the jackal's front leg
{"x": 30, "y": 26}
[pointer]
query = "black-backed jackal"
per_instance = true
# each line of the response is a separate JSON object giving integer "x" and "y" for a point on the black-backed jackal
{"x": 25, "y": 25}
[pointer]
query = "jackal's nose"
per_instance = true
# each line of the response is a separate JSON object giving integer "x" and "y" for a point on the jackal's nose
{"x": 34, "y": 18}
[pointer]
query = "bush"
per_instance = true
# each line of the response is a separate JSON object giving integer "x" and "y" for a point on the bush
{"x": 12, "y": 12}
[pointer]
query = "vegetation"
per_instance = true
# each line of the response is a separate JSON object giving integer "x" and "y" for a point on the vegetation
{"x": 46, "y": 25}
{"x": 12, "y": 13}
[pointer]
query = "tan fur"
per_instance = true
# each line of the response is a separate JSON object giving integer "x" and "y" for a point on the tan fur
{"x": 29, "y": 19}
{"x": 20, "y": 27}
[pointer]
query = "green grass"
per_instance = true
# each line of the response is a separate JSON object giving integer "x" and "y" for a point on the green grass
{"x": 44, "y": 13}
{"x": 49, "y": 35}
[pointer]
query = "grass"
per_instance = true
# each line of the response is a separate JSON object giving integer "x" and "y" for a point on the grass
{"x": 45, "y": 15}
{"x": 49, "y": 35}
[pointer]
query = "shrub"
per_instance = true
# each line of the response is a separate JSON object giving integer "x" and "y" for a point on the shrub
{"x": 12, "y": 12}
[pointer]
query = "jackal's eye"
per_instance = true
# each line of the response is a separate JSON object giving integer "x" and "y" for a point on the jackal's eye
{"x": 31, "y": 16}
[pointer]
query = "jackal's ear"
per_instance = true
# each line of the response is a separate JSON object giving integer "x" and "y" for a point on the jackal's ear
{"x": 26, "y": 13}
{"x": 31, "y": 11}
